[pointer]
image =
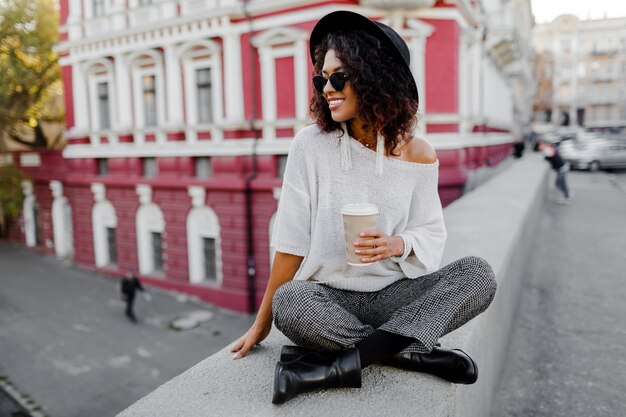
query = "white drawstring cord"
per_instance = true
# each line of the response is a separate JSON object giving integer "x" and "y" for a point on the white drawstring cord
{"x": 346, "y": 160}
{"x": 380, "y": 154}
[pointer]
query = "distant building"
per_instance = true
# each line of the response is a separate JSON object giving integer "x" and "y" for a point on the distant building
{"x": 180, "y": 115}
{"x": 581, "y": 72}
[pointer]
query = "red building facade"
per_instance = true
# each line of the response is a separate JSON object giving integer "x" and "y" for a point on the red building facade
{"x": 180, "y": 117}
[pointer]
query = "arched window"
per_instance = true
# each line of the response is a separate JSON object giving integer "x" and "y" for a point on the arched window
{"x": 100, "y": 79}
{"x": 104, "y": 220}
{"x": 148, "y": 89}
{"x": 150, "y": 225}
{"x": 61, "y": 222}
{"x": 284, "y": 60}
{"x": 203, "y": 81}
{"x": 30, "y": 215}
{"x": 203, "y": 241}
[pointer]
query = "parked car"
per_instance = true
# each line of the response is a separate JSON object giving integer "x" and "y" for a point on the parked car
{"x": 595, "y": 155}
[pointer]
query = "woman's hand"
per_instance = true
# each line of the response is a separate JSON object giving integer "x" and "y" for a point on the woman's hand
{"x": 256, "y": 334}
{"x": 378, "y": 245}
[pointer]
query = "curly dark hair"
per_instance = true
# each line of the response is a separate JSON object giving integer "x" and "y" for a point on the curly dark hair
{"x": 385, "y": 104}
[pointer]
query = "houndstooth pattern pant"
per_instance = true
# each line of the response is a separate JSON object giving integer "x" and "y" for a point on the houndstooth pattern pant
{"x": 324, "y": 318}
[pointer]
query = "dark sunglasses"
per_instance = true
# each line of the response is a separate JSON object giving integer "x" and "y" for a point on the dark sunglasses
{"x": 337, "y": 80}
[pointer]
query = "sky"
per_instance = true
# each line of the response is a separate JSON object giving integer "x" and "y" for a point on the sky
{"x": 547, "y": 10}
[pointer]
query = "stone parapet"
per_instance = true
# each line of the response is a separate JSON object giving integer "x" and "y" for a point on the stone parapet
{"x": 496, "y": 222}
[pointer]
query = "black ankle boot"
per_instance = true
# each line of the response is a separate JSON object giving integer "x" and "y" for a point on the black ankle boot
{"x": 452, "y": 365}
{"x": 299, "y": 376}
{"x": 290, "y": 353}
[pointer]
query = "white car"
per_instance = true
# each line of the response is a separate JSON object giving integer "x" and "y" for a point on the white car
{"x": 596, "y": 155}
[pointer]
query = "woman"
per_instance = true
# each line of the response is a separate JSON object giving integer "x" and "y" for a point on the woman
{"x": 361, "y": 149}
{"x": 552, "y": 155}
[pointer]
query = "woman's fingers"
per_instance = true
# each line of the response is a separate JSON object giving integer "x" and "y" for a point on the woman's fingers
{"x": 375, "y": 249}
{"x": 237, "y": 346}
{"x": 244, "y": 350}
{"x": 371, "y": 233}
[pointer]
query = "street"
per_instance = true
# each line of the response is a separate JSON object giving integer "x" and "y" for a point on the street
{"x": 66, "y": 343}
{"x": 567, "y": 354}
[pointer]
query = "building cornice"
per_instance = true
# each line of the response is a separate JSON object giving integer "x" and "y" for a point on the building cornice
{"x": 244, "y": 147}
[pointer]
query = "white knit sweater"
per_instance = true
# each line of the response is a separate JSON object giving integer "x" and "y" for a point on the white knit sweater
{"x": 309, "y": 221}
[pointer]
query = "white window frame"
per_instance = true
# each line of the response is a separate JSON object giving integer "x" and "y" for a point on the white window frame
{"x": 138, "y": 73}
{"x": 191, "y": 91}
{"x": 135, "y": 4}
{"x": 103, "y": 216}
{"x": 88, "y": 8}
{"x": 269, "y": 51}
{"x": 149, "y": 219}
{"x": 94, "y": 102}
{"x": 28, "y": 213}
{"x": 191, "y": 61}
{"x": 202, "y": 222}
{"x": 61, "y": 222}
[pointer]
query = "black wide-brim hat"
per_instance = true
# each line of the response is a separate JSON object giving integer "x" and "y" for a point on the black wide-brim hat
{"x": 344, "y": 20}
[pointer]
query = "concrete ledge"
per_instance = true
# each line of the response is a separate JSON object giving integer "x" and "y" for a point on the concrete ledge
{"x": 496, "y": 222}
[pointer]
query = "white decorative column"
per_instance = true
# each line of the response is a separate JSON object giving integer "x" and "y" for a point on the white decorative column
{"x": 233, "y": 77}
{"x": 173, "y": 87}
{"x": 465, "y": 70}
{"x": 123, "y": 96}
{"x": 79, "y": 91}
{"x": 73, "y": 19}
{"x": 268, "y": 92}
{"x": 475, "y": 82}
{"x": 417, "y": 34}
{"x": 301, "y": 60}
{"x": 118, "y": 18}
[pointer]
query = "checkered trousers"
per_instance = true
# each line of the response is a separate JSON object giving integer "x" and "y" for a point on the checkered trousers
{"x": 324, "y": 318}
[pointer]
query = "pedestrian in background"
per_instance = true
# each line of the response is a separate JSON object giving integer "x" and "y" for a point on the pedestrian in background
{"x": 552, "y": 155}
{"x": 518, "y": 147}
{"x": 129, "y": 286}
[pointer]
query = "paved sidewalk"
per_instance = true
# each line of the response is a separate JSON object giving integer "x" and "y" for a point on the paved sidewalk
{"x": 567, "y": 355}
{"x": 66, "y": 343}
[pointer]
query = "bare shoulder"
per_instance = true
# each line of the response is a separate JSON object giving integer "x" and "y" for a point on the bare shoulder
{"x": 421, "y": 152}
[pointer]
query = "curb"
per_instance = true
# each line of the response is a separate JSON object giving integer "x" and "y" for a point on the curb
{"x": 27, "y": 406}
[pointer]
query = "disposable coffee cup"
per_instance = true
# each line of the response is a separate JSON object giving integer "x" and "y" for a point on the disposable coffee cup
{"x": 357, "y": 218}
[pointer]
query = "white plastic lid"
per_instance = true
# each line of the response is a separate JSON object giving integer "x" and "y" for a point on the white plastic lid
{"x": 359, "y": 209}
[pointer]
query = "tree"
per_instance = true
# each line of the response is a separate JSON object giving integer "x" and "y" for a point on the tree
{"x": 11, "y": 196}
{"x": 29, "y": 70}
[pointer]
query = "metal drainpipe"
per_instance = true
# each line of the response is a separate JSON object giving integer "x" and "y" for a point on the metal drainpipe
{"x": 251, "y": 263}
